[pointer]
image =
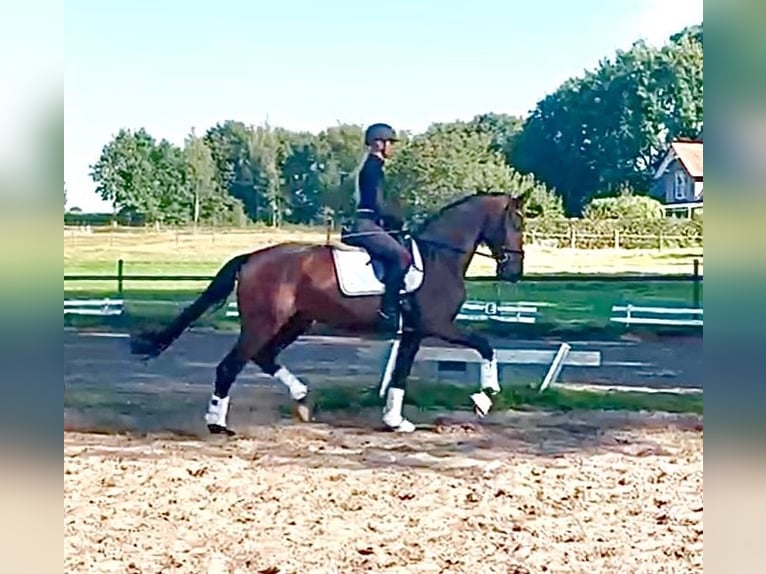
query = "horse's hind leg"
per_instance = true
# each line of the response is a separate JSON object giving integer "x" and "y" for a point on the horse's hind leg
{"x": 266, "y": 359}
{"x": 225, "y": 374}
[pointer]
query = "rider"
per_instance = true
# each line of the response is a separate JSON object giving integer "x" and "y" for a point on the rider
{"x": 373, "y": 220}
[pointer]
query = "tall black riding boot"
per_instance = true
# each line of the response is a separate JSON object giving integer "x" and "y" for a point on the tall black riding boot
{"x": 389, "y": 310}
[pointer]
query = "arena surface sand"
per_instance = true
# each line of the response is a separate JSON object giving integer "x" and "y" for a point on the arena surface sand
{"x": 576, "y": 492}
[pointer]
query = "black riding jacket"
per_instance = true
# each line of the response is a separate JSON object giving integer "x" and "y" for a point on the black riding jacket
{"x": 371, "y": 188}
{"x": 371, "y": 202}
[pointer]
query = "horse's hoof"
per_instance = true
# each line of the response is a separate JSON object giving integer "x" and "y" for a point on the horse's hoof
{"x": 404, "y": 427}
{"x": 218, "y": 429}
{"x": 302, "y": 410}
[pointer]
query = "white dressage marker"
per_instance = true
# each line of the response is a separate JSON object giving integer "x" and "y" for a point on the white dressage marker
{"x": 555, "y": 369}
{"x": 356, "y": 276}
{"x": 393, "y": 354}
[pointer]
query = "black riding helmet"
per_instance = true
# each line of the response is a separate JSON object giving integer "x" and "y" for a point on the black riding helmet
{"x": 379, "y": 132}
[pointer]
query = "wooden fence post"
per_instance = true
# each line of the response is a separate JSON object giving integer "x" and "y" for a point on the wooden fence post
{"x": 696, "y": 284}
{"x": 120, "y": 274}
{"x": 328, "y": 226}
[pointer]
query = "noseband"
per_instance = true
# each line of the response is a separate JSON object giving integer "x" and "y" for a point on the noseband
{"x": 505, "y": 255}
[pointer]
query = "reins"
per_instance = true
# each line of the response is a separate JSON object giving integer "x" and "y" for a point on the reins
{"x": 435, "y": 243}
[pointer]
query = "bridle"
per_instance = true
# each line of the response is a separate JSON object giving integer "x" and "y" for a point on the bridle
{"x": 505, "y": 255}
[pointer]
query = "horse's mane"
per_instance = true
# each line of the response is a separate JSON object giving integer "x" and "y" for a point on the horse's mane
{"x": 431, "y": 219}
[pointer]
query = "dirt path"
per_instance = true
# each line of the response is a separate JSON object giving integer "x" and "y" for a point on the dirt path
{"x": 588, "y": 493}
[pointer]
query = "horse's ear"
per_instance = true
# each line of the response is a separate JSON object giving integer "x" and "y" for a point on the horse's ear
{"x": 522, "y": 198}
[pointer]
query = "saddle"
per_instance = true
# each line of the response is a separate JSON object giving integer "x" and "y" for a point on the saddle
{"x": 348, "y": 240}
{"x": 360, "y": 274}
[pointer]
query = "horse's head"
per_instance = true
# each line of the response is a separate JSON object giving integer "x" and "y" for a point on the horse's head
{"x": 502, "y": 233}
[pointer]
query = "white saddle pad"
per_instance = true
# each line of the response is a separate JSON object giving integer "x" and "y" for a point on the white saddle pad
{"x": 356, "y": 276}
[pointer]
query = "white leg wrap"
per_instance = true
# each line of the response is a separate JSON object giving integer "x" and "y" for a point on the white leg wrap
{"x": 297, "y": 389}
{"x": 489, "y": 378}
{"x": 482, "y": 403}
{"x": 217, "y": 409}
{"x": 392, "y": 412}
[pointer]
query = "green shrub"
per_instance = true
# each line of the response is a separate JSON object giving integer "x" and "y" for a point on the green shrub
{"x": 625, "y": 206}
{"x": 604, "y": 233}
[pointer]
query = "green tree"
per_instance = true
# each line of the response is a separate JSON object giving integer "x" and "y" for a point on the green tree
{"x": 200, "y": 172}
{"x": 169, "y": 184}
{"x": 229, "y": 144}
{"x": 143, "y": 177}
{"x": 124, "y": 172}
{"x": 607, "y": 129}
{"x": 693, "y": 33}
{"x": 340, "y": 150}
{"x": 265, "y": 151}
{"x": 448, "y": 162}
{"x": 503, "y": 128}
{"x": 300, "y": 176}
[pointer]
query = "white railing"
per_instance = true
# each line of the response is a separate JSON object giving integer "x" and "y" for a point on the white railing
{"x": 503, "y": 312}
{"x": 640, "y": 315}
{"x": 98, "y": 307}
{"x": 521, "y": 312}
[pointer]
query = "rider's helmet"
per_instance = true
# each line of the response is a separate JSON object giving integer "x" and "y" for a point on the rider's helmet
{"x": 379, "y": 132}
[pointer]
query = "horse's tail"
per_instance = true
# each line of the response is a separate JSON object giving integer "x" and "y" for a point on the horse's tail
{"x": 152, "y": 343}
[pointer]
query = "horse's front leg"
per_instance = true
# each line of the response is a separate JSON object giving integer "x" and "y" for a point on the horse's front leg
{"x": 490, "y": 384}
{"x": 392, "y": 412}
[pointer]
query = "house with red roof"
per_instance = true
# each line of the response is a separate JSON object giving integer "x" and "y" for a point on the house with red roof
{"x": 678, "y": 179}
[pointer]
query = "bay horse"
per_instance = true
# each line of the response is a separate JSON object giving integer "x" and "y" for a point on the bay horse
{"x": 282, "y": 290}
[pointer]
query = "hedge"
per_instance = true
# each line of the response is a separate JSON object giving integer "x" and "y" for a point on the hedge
{"x": 605, "y": 233}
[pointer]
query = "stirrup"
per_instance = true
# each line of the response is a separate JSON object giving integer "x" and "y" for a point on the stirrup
{"x": 389, "y": 322}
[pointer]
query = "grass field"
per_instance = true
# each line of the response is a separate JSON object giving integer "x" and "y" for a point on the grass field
{"x": 426, "y": 396}
{"x": 189, "y": 253}
{"x": 569, "y": 303}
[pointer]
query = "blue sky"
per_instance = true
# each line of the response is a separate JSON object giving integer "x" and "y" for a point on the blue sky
{"x": 167, "y": 66}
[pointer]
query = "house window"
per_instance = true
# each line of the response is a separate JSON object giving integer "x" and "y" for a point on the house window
{"x": 679, "y": 186}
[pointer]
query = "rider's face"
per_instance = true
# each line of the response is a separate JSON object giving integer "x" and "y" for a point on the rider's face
{"x": 387, "y": 148}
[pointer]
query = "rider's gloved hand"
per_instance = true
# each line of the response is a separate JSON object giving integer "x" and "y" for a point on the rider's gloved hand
{"x": 392, "y": 222}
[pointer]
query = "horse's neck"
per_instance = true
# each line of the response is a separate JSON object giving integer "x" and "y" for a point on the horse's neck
{"x": 459, "y": 230}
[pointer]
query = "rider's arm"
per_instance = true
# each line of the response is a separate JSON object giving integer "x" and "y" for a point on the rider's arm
{"x": 371, "y": 186}
{"x": 371, "y": 179}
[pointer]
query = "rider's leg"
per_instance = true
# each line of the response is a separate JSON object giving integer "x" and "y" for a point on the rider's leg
{"x": 396, "y": 259}
{"x": 394, "y": 282}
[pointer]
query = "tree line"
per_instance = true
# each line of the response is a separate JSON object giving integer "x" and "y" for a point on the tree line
{"x": 598, "y": 135}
